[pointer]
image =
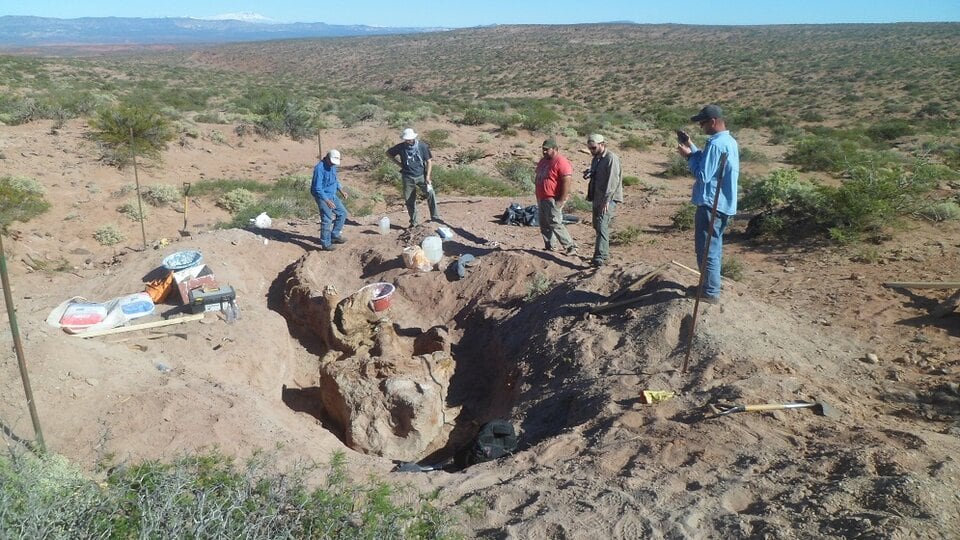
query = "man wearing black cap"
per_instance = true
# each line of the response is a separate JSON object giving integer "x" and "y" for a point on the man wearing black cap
{"x": 554, "y": 177}
{"x": 705, "y": 165}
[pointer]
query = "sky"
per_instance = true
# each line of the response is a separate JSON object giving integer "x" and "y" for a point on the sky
{"x": 466, "y": 13}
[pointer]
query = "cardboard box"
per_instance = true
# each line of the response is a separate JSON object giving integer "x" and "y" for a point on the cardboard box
{"x": 197, "y": 277}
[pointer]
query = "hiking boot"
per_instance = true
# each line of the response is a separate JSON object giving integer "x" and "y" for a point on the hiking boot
{"x": 570, "y": 250}
{"x": 597, "y": 263}
{"x": 713, "y": 300}
{"x": 339, "y": 240}
{"x": 331, "y": 247}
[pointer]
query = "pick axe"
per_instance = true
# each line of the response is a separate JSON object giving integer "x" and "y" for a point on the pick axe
{"x": 186, "y": 200}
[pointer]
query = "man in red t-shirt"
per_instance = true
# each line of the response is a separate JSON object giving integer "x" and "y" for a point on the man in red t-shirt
{"x": 554, "y": 178}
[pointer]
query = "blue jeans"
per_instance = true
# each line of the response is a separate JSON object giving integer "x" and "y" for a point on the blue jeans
{"x": 701, "y": 221}
{"x": 331, "y": 220}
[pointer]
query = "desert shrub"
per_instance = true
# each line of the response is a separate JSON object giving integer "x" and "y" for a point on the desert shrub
{"x": 209, "y": 118}
{"x": 353, "y": 115}
{"x": 676, "y": 166}
{"x": 780, "y": 188}
{"x": 161, "y": 194}
{"x": 437, "y": 139}
{"x": 236, "y": 200}
{"x": 577, "y": 203}
{"x": 219, "y": 186}
{"x": 625, "y": 237}
{"x": 388, "y": 174}
{"x": 468, "y": 155}
{"x": 402, "y": 119}
{"x": 631, "y": 181}
{"x": 468, "y": 181}
{"x": 281, "y": 115}
{"x": 358, "y": 204}
{"x": 518, "y": 171}
{"x": 749, "y": 155}
{"x": 636, "y": 143}
{"x": 108, "y": 235}
{"x": 208, "y": 496}
{"x": 124, "y": 131}
{"x": 682, "y": 219}
{"x": 941, "y": 211}
{"x": 817, "y": 153}
{"x": 373, "y": 156}
{"x": 475, "y": 116}
{"x": 732, "y": 268}
{"x": 288, "y": 197}
{"x": 539, "y": 117}
{"x": 133, "y": 211}
{"x": 538, "y": 285}
{"x": 20, "y": 200}
{"x": 666, "y": 116}
{"x": 888, "y": 130}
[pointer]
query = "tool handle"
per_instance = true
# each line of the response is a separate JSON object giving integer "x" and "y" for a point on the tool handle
{"x": 777, "y": 406}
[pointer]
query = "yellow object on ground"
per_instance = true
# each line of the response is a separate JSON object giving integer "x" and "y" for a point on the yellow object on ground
{"x": 656, "y": 396}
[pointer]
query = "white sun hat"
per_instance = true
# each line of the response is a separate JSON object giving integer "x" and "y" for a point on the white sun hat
{"x": 334, "y": 157}
{"x": 408, "y": 134}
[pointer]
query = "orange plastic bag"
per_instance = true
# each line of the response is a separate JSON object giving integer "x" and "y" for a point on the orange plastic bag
{"x": 159, "y": 289}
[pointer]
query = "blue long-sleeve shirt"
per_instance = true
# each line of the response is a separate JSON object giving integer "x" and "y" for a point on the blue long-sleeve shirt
{"x": 704, "y": 164}
{"x": 325, "y": 182}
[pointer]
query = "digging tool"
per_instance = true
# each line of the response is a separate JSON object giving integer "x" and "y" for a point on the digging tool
{"x": 703, "y": 261}
{"x": 410, "y": 466}
{"x": 819, "y": 407}
{"x": 186, "y": 200}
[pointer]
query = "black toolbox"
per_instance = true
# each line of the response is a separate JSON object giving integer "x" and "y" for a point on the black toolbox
{"x": 210, "y": 299}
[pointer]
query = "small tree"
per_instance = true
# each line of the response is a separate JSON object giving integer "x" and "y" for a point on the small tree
{"x": 126, "y": 130}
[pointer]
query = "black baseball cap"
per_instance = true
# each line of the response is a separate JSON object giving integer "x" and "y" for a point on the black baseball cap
{"x": 708, "y": 112}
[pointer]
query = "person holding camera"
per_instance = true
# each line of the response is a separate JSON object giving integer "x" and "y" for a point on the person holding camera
{"x": 605, "y": 190}
{"x": 705, "y": 165}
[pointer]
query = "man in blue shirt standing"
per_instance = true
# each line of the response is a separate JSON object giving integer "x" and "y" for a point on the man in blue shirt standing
{"x": 325, "y": 189}
{"x": 416, "y": 164}
{"x": 705, "y": 166}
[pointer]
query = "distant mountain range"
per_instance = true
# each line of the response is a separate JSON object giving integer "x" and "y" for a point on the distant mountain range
{"x": 18, "y": 31}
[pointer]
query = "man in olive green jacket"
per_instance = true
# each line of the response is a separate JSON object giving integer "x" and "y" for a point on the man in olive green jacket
{"x": 605, "y": 190}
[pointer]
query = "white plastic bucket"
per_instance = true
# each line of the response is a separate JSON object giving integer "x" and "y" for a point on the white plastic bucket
{"x": 432, "y": 248}
{"x": 384, "y": 225}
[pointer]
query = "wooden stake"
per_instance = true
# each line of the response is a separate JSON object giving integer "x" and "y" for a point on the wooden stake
{"x": 144, "y": 326}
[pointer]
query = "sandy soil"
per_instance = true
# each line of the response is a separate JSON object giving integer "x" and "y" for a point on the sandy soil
{"x": 594, "y": 459}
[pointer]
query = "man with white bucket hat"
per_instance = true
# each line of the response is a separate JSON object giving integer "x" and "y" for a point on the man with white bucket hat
{"x": 416, "y": 163}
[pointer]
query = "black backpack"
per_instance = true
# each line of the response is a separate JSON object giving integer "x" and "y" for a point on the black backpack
{"x": 495, "y": 439}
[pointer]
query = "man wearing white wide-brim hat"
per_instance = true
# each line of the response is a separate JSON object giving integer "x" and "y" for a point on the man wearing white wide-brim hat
{"x": 416, "y": 164}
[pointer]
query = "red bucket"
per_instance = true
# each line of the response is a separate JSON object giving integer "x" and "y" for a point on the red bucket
{"x": 382, "y": 295}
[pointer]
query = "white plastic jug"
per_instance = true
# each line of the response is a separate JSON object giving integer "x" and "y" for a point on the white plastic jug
{"x": 432, "y": 248}
{"x": 384, "y": 225}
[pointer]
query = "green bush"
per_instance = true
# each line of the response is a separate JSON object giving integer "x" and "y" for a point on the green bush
{"x": 133, "y": 211}
{"x": 519, "y": 171}
{"x": 625, "y": 237}
{"x": 676, "y": 166}
{"x": 236, "y": 200}
{"x": 108, "y": 235}
{"x": 468, "y": 155}
{"x": 437, "y": 139}
{"x": 538, "y": 285}
{"x": 941, "y": 211}
{"x": 281, "y": 115}
{"x": 577, "y": 203}
{"x": 682, "y": 219}
{"x": 20, "y": 200}
{"x": 888, "y": 130}
{"x": 161, "y": 194}
{"x": 637, "y": 143}
{"x": 208, "y": 496}
{"x": 732, "y": 268}
{"x": 539, "y": 117}
{"x": 125, "y": 130}
{"x": 468, "y": 181}
{"x": 475, "y": 116}
{"x": 780, "y": 188}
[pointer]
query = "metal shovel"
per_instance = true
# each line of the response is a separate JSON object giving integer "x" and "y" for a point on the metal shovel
{"x": 819, "y": 407}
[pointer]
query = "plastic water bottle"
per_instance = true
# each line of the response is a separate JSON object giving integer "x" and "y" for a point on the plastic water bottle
{"x": 433, "y": 249}
{"x": 384, "y": 225}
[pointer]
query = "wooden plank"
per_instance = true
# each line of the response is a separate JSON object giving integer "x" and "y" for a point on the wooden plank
{"x": 695, "y": 272}
{"x": 922, "y": 284}
{"x": 144, "y": 326}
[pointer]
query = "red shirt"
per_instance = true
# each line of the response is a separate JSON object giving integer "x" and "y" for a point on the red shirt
{"x": 549, "y": 173}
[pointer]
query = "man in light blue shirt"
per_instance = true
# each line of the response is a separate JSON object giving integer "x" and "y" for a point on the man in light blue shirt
{"x": 705, "y": 165}
{"x": 325, "y": 189}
